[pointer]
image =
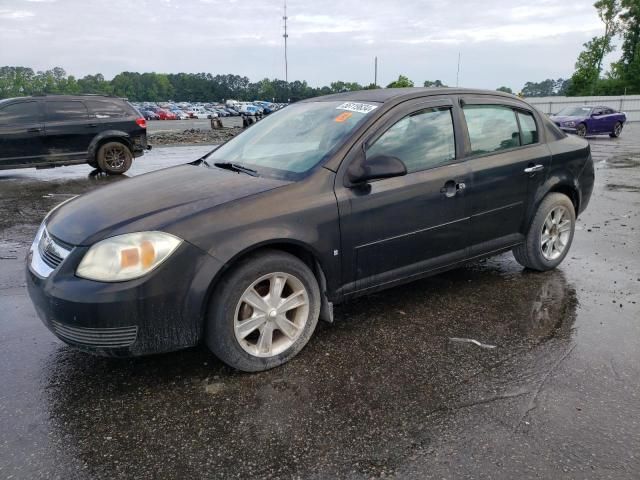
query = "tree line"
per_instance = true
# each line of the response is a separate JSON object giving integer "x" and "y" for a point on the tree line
{"x": 154, "y": 87}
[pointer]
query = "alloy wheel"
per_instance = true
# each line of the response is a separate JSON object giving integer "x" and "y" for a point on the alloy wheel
{"x": 617, "y": 129}
{"x": 581, "y": 130}
{"x": 115, "y": 157}
{"x": 555, "y": 234}
{"x": 271, "y": 314}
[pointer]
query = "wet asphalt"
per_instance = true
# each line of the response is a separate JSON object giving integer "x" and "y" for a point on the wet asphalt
{"x": 383, "y": 392}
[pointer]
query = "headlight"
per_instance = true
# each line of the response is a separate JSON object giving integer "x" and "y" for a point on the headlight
{"x": 126, "y": 257}
{"x": 569, "y": 124}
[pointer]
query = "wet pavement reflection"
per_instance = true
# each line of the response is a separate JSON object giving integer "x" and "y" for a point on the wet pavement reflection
{"x": 398, "y": 386}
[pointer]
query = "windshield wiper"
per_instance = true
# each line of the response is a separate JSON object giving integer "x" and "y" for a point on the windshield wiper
{"x": 236, "y": 167}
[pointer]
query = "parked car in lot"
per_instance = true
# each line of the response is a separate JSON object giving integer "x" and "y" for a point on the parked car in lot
{"x": 150, "y": 115}
{"x": 166, "y": 114}
{"x": 586, "y": 120}
{"x": 325, "y": 200}
{"x": 56, "y": 130}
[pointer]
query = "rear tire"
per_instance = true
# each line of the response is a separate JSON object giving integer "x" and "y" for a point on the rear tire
{"x": 617, "y": 130}
{"x": 550, "y": 234}
{"x": 265, "y": 295}
{"x": 114, "y": 158}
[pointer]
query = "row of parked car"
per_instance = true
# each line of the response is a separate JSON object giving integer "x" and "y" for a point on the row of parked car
{"x": 186, "y": 110}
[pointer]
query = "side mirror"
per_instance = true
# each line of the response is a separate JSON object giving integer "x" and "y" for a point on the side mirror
{"x": 378, "y": 167}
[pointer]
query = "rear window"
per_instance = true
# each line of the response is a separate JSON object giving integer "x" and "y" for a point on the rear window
{"x": 66, "y": 110}
{"x": 106, "y": 109}
{"x": 491, "y": 128}
{"x": 19, "y": 113}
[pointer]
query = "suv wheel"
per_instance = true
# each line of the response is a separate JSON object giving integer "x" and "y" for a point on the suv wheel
{"x": 114, "y": 157}
{"x": 550, "y": 234}
{"x": 263, "y": 312}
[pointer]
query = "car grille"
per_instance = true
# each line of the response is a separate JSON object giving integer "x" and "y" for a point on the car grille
{"x": 96, "y": 337}
{"x": 51, "y": 251}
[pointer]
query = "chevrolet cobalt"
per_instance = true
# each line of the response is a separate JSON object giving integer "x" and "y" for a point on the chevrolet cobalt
{"x": 327, "y": 199}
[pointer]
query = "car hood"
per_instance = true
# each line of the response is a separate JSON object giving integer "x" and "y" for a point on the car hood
{"x": 566, "y": 118}
{"x": 152, "y": 201}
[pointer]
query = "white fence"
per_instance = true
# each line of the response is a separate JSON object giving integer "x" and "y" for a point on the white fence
{"x": 630, "y": 104}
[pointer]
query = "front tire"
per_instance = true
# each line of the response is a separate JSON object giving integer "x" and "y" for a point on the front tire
{"x": 550, "y": 234}
{"x": 617, "y": 130}
{"x": 263, "y": 312}
{"x": 114, "y": 158}
{"x": 581, "y": 130}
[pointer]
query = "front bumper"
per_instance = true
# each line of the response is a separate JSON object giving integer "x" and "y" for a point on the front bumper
{"x": 163, "y": 311}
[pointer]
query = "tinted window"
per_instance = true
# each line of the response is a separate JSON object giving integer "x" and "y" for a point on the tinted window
{"x": 528, "y": 130}
{"x": 66, "y": 110}
{"x": 422, "y": 140}
{"x": 597, "y": 111}
{"x": 105, "y": 109}
{"x": 491, "y": 128}
{"x": 19, "y": 113}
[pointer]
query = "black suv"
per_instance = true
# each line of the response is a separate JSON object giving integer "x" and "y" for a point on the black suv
{"x": 55, "y": 130}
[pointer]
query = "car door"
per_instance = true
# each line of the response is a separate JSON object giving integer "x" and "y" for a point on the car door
{"x": 68, "y": 130}
{"x": 508, "y": 161}
{"x": 598, "y": 121}
{"x": 21, "y": 132}
{"x": 400, "y": 227}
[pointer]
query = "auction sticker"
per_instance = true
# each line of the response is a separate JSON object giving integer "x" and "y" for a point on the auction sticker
{"x": 357, "y": 107}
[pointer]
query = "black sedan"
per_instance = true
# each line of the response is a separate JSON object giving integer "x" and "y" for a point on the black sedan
{"x": 328, "y": 199}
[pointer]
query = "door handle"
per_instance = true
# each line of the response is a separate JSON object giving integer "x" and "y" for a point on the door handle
{"x": 33, "y": 130}
{"x": 451, "y": 188}
{"x": 534, "y": 168}
{"x": 92, "y": 125}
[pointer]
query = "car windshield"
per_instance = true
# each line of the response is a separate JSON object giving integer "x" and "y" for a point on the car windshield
{"x": 575, "y": 111}
{"x": 292, "y": 141}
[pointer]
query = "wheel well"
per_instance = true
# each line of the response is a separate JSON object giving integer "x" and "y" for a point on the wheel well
{"x": 570, "y": 192}
{"x": 297, "y": 251}
{"x": 102, "y": 141}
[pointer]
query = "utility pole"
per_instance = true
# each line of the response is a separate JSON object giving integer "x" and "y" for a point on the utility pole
{"x": 375, "y": 72}
{"x": 458, "y": 72}
{"x": 285, "y": 36}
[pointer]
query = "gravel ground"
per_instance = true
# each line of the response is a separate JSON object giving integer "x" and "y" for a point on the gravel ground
{"x": 383, "y": 392}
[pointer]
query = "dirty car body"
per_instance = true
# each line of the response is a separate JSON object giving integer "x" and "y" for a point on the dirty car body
{"x": 358, "y": 224}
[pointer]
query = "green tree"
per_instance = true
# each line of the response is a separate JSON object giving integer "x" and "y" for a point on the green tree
{"x": 437, "y": 83}
{"x": 401, "y": 82}
{"x": 589, "y": 63}
{"x": 505, "y": 90}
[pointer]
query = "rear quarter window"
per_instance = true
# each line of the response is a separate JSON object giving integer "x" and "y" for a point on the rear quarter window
{"x": 106, "y": 109}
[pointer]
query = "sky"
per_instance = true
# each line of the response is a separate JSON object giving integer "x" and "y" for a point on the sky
{"x": 500, "y": 42}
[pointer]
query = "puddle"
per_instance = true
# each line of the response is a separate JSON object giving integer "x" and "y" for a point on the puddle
{"x": 624, "y": 162}
{"x": 615, "y": 187}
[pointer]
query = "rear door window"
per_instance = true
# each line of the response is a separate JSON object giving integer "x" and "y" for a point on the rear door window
{"x": 105, "y": 109}
{"x": 422, "y": 140}
{"x": 66, "y": 110}
{"x": 492, "y": 128}
{"x": 22, "y": 113}
{"x": 528, "y": 129}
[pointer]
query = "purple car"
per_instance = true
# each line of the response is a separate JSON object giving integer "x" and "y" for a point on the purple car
{"x": 586, "y": 120}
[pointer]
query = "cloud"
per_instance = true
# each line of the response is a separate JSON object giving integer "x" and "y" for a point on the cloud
{"x": 15, "y": 14}
{"x": 502, "y": 42}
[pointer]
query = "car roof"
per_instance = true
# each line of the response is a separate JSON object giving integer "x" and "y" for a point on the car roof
{"x": 383, "y": 95}
{"x": 68, "y": 97}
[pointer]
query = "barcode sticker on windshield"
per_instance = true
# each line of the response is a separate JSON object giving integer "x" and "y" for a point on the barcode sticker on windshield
{"x": 357, "y": 107}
